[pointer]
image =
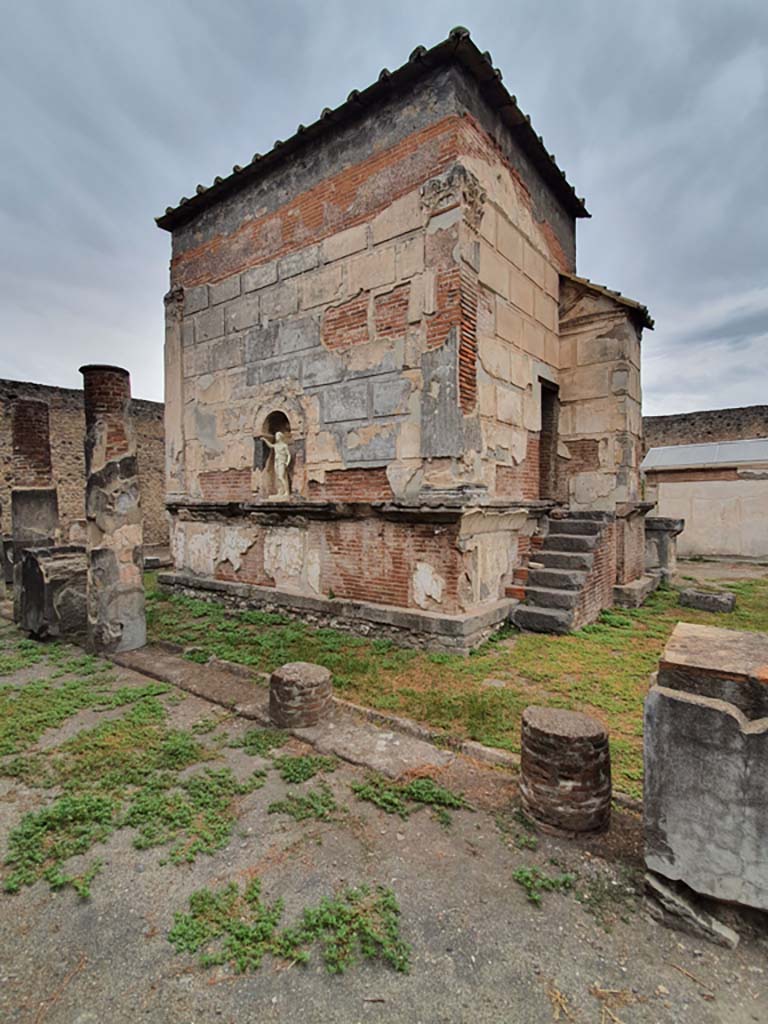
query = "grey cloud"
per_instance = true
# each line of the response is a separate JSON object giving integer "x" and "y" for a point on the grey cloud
{"x": 110, "y": 111}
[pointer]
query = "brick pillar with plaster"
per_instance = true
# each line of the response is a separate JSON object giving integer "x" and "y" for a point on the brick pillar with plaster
{"x": 116, "y": 619}
{"x": 34, "y": 502}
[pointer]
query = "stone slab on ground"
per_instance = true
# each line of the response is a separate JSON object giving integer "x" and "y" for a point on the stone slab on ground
{"x": 668, "y": 905}
{"x": 632, "y": 595}
{"x": 707, "y": 600}
{"x": 362, "y": 743}
{"x": 344, "y": 734}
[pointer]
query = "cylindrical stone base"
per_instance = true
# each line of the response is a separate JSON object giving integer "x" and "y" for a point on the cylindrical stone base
{"x": 299, "y": 695}
{"x": 565, "y": 778}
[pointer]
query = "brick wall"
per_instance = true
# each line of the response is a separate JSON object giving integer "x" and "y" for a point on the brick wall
{"x": 359, "y": 559}
{"x": 597, "y": 592}
{"x": 31, "y": 446}
{"x": 226, "y": 485}
{"x": 67, "y": 430}
{"x": 630, "y": 548}
{"x": 711, "y": 425}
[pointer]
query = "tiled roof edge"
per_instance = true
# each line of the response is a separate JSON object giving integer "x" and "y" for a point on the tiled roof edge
{"x": 459, "y": 48}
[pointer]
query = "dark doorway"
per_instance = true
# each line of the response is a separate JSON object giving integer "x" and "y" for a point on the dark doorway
{"x": 550, "y": 415}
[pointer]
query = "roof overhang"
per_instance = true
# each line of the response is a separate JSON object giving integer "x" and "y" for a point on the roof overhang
{"x": 457, "y": 49}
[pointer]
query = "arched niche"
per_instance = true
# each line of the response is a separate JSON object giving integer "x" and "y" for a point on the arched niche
{"x": 273, "y": 423}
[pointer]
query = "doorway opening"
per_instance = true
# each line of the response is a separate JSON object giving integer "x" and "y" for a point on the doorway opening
{"x": 550, "y": 417}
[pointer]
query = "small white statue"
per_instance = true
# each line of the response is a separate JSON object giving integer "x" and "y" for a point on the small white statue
{"x": 282, "y": 460}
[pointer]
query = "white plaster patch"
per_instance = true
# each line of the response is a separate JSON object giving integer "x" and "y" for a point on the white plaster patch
{"x": 284, "y": 555}
{"x": 313, "y": 570}
{"x": 427, "y": 584}
{"x": 200, "y": 548}
{"x": 235, "y": 541}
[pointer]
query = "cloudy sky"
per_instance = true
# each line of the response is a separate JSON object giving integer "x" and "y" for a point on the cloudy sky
{"x": 112, "y": 109}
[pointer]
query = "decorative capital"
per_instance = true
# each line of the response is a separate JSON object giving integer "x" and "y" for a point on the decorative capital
{"x": 174, "y": 302}
{"x": 456, "y": 187}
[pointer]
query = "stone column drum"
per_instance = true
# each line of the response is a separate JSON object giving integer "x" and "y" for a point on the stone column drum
{"x": 116, "y": 620}
{"x": 299, "y": 695}
{"x": 565, "y": 779}
{"x": 34, "y": 503}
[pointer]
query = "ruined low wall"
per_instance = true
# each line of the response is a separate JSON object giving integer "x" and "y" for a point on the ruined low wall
{"x": 449, "y": 564}
{"x": 711, "y": 425}
{"x": 67, "y": 429}
{"x": 597, "y": 592}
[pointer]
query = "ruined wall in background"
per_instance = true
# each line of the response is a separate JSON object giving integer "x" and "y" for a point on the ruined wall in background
{"x": 67, "y": 427}
{"x": 699, "y": 427}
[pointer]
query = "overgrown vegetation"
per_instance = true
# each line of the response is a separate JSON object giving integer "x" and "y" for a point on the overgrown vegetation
{"x": 535, "y": 882}
{"x": 296, "y": 769}
{"x": 123, "y": 773}
{"x": 602, "y": 669}
{"x": 315, "y": 803}
{"x": 238, "y": 928}
{"x": 403, "y": 798}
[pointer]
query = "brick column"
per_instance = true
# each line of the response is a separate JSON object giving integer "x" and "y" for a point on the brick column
{"x": 34, "y": 503}
{"x": 116, "y": 620}
{"x": 565, "y": 777}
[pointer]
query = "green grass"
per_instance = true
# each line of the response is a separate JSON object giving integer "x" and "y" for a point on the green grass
{"x": 239, "y": 929}
{"x": 602, "y": 669}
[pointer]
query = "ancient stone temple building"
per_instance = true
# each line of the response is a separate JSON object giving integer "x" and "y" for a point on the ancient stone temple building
{"x": 386, "y": 385}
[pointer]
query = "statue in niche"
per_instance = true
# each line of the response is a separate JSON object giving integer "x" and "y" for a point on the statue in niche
{"x": 281, "y": 455}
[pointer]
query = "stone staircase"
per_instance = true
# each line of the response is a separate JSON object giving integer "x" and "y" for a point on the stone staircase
{"x": 557, "y": 574}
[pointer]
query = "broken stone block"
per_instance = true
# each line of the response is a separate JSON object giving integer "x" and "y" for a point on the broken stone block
{"x": 53, "y": 601}
{"x": 565, "y": 777}
{"x": 299, "y": 695}
{"x": 707, "y": 600}
{"x": 706, "y": 764}
{"x": 669, "y": 904}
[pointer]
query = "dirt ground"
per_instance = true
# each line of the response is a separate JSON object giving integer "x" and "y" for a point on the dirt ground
{"x": 481, "y": 952}
{"x": 718, "y": 570}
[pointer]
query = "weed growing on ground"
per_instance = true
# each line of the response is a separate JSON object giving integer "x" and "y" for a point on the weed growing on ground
{"x": 607, "y": 898}
{"x": 404, "y": 797}
{"x": 122, "y": 773}
{"x": 259, "y": 742}
{"x": 230, "y": 927}
{"x": 519, "y": 826}
{"x": 299, "y": 769}
{"x": 315, "y": 803}
{"x": 535, "y": 882}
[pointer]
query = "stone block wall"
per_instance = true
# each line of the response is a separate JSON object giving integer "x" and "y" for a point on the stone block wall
{"x": 711, "y": 425}
{"x": 67, "y": 428}
{"x": 399, "y": 310}
{"x": 600, "y": 418}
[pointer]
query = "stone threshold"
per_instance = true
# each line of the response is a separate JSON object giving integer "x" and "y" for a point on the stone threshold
{"x": 632, "y": 595}
{"x": 456, "y": 633}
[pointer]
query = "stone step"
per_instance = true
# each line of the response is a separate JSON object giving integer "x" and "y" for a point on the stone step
{"x": 565, "y": 560}
{"x": 569, "y": 542}
{"x": 550, "y": 597}
{"x": 556, "y": 579}
{"x": 542, "y": 620}
{"x": 578, "y": 526}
